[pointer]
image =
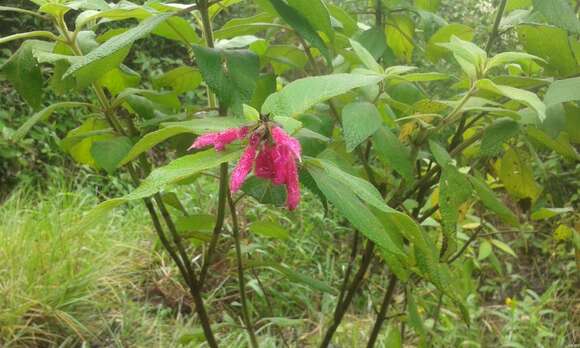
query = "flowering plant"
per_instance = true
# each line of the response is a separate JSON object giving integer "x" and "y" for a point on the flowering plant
{"x": 270, "y": 151}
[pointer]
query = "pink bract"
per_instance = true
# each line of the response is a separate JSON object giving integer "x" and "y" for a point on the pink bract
{"x": 220, "y": 139}
{"x": 245, "y": 164}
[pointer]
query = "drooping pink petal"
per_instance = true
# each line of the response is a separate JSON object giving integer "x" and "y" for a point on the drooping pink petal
{"x": 282, "y": 138}
{"x": 292, "y": 186}
{"x": 265, "y": 163}
{"x": 245, "y": 164}
{"x": 281, "y": 156}
{"x": 204, "y": 140}
{"x": 220, "y": 139}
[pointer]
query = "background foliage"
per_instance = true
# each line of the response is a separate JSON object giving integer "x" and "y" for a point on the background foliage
{"x": 463, "y": 116}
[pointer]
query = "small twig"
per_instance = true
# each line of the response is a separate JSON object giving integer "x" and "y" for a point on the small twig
{"x": 496, "y": 24}
{"x": 465, "y": 246}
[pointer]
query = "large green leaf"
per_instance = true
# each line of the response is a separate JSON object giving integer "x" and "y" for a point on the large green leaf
{"x": 110, "y": 54}
{"x": 316, "y": 13}
{"x": 231, "y": 74}
{"x": 23, "y": 72}
{"x": 269, "y": 229}
{"x": 491, "y": 202}
{"x": 360, "y": 120}
{"x": 43, "y": 115}
{"x": 350, "y": 205}
{"x": 302, "y": 26}
{"x": 559, "y": 13}
{"x": 562, "y": 91}
{"x": 108, "y": 153}
{"x": 150, "y": 140}
{"x": 300, "y": 95}
{"x": 400, "y": 31}
{"x": 349, "y": 24}
{"x": 526, "y": 97}
{"x": 180, "y": 80}
{"x": 180, "y": 169}
{"x": 551, "y": 44}
{"x": 496, "y": 134}
{"x": 366, "y": 57}
{"x": 393, "y": 153}
{"x": 444, "y": 34}
{"x": 517, "y": 176}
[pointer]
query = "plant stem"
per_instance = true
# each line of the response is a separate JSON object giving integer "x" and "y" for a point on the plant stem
{"x": 496, "y": 24}
{"x": 241, "y": 281}
{"x": 354, "y": 250}
{"x": 342, "y": 307}
{"x": 221, "y": 213}
{"x": 382, "y": 315}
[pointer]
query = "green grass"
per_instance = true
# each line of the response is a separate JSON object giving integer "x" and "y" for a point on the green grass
{"x": 113, "y": 286}
{"x": 59, "y": 284}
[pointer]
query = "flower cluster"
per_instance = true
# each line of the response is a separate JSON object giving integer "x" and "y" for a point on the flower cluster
{"x": 270, "y": 152}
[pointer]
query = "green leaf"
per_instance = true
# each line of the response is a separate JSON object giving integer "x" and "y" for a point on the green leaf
{"x": 561, "y": 144}
{"x": 265, "y": 86}
{"x": 500, "y": 131}
{"x": 433, "y": 52}
{"x": 231, "y": 74}
{"x": 198, "y": 227}
{"x": 264, "y": 191}
{"x": 43, "y": 115}
{"x": 525, "y": 97}
{"x": 108, "y": 153}
{"x": 491, "y": 202}
{"x": 510, "y": 57}
{"x": 316, "y": 13}
{"x": 152, "y": 139}
{"x": 79, "y": 141}
{"x": 302, "y": 26}
{"x": 428, "y": 5}
{"x": 119, "y": 79}
{"x": 180, "y": 169}
{"x": 484, "y": 250}
{"x": 454, "y": 190}
{"x": 269, "y": 229}
{"x": 360, "y": 120}
{"x": 301, "y": 278}
{"x": 177, "y": 29}
{"x": 342, "y": 191}
{"x": 440, "y": 154}
{"x": 99, "y": 213}
{"x": 517, "y": 176}
{"x": 503, "y": 247}
{"x": 110, "y": 54}
{"x": 23, "y": 72}
{"x": 180, "y": 80}
{"x": 400, "y": 31}
{"x": 366, "y": 57}
{"x": 552, "y": 45}
{"x": 559, "y": 13}
{"x": 425, "y": 77}
{"x": 349, "y": 25}
{"x": 563, "y": 91}
{"x": 207, "y": 124}
{"x": 547, "y": 213}
{"x": 300, "y": 95}
{"x": 471, "y": 58}
{"x": 393, "y": 153}
{"x": 415, "y": 321}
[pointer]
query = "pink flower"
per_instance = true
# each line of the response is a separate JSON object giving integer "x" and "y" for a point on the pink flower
{"x": 265, "y": 163}
{"x": 220, "y": 139}
{"x": 272, "y": 158}
{"x": 245, "y": 164}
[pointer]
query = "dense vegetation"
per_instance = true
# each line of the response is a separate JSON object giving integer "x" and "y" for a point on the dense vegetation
{"x": 363, "y": 173}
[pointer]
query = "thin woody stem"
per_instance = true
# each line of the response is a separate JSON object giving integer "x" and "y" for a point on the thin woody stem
{"x": 241, "y": 278}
